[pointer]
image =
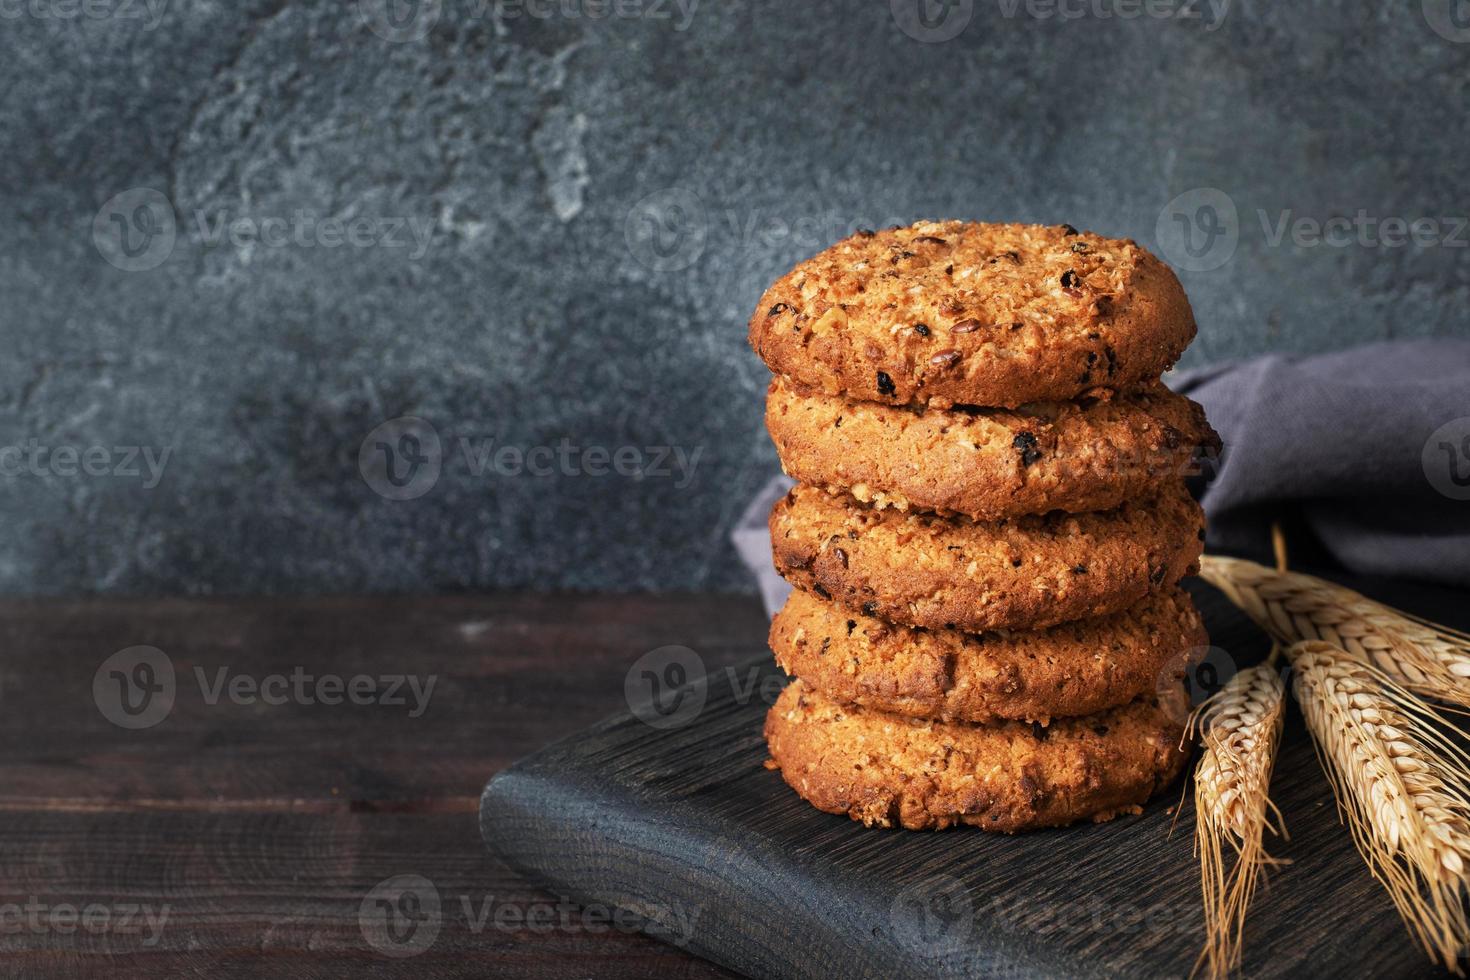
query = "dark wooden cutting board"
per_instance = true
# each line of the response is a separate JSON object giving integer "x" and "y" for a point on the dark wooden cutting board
{"x": 685, "y": 827}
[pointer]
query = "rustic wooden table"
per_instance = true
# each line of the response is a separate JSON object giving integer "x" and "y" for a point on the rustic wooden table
{"x": 238, "y": 824}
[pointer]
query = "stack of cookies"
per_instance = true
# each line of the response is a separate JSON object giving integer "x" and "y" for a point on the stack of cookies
{"x": 989, "y": 526}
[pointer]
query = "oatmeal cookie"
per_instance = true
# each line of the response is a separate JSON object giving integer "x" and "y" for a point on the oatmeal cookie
{"x": 887, "y": 770}
{"x": 958, "y": 313}
{"x": 954, "y": 573}
{"x": 988, "y": 463}
{"x": 1076, "y": 668}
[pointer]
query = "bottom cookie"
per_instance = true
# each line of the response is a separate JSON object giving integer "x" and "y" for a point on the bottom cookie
{"x": 886, "y": 770}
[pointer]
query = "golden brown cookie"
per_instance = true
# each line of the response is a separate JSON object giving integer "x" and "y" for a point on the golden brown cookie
{"x": 953, "y": 573}
{"x": 1076, "y": 668}
{"x": 956, "y": 313}
{"x": 988, "y": 463}
{"x": 886, "y": 769}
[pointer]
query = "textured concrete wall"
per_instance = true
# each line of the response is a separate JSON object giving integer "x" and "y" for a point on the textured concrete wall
{"x": 239, "y": 236}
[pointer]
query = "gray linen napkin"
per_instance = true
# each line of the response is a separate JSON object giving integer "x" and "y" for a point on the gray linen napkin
{"x": 1367, "y": 449}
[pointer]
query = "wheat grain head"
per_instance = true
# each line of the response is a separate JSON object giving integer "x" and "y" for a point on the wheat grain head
{"x": 1240, "y": 728}
{"x": 1402, "y": 786}
{"x": 1428, "y": 659}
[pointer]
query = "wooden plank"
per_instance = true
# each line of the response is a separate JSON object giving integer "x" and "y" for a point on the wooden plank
{"x": 511, "y": 673}
{"x": 263, "y": 828}
{"x": 254, "y": 894}
{"x": 686, "y": 820}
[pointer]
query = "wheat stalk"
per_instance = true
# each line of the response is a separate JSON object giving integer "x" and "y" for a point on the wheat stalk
{"x": 1240, "y": 727}
{"x": 1424, "y": 657}
{"x": 1402, "y": 785}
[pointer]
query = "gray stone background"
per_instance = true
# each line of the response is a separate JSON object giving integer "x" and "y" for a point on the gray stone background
{"x": 601, "y": 194}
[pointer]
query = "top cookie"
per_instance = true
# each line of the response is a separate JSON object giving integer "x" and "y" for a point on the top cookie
{"x": 958, "y": 313}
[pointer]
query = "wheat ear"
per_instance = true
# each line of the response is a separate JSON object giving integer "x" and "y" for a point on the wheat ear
{"x": 1401, "y": 784}
{"x": 1426, "y": 658}
{"x": 1240, "y": 727}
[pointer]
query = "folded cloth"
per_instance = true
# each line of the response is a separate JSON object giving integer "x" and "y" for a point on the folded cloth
{"x": 1367, "y": 449}
{"x": 752, "y": 539}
